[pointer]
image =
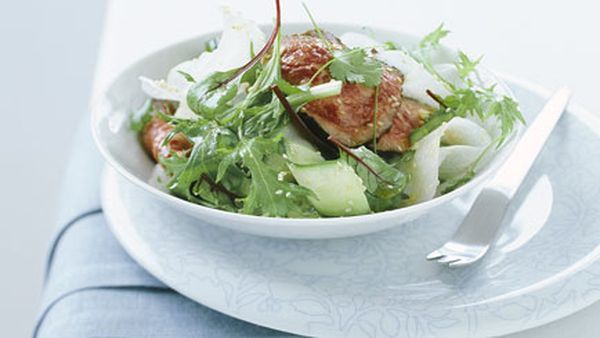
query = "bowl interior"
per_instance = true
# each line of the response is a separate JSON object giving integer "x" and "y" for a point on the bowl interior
{"x": 122, "y": 150}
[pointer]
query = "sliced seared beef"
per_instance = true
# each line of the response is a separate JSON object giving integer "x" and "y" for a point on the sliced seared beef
{"x": 410, "y": 116}
{"x": 157, "y": 130}
{"x": 349, "y": 116}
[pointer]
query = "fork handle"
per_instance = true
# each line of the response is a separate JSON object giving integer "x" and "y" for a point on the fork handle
{"x": 512, "y": 173}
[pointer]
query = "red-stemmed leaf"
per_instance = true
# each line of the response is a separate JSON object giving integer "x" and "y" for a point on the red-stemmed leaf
{"x": 262, "y": 52}
{"x": 437, "y": 99}
{"x": 359, "y": 160}
{"x": 325, "y": 147}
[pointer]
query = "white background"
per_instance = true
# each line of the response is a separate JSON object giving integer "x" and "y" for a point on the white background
{"x": 48, "y": 51}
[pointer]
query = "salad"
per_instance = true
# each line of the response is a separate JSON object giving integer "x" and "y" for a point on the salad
{"x": 318, "y": 125}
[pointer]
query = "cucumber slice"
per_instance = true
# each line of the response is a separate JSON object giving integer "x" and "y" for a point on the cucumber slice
{"x": 299, "y": 150}
{"x": 339, "y": 191}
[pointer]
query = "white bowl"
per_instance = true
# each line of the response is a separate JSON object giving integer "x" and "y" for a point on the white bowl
{"x": 122, "y": 150}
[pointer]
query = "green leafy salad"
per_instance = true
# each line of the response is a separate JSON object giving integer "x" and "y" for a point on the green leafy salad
{"x": 317, "y": 125}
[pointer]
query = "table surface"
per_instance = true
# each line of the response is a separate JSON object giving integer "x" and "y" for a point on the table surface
{"x": 539, "y": 41}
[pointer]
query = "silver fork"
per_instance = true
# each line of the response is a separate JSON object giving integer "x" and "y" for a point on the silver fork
{"x": 478, "y": 230}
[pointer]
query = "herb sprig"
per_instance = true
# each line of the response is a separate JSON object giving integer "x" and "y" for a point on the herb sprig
{"x": 348, "y": 64}
{"x": 466, "y": 99}
{"x": 354, "y": 65}
{"x": 432, "y": 39}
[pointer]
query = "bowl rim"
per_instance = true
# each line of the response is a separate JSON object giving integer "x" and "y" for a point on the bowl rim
{"x": 267, "y": 221}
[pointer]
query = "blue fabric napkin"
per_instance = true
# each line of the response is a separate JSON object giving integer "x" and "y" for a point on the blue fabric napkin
{"x": 94, "y": 289}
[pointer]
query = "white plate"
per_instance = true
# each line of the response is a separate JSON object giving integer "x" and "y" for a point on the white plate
{"x": 544, "y": 267}
{"x": 121, "y": 149}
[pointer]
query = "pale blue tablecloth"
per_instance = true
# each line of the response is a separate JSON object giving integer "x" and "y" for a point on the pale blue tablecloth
{"x": 94, "y": 289}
